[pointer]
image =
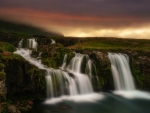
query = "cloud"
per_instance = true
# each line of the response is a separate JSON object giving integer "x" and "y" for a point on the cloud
{"x": 142, "y": 33}
{"x": 85, "y": 17}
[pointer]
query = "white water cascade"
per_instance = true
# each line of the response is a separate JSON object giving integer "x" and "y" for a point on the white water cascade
{"x": 20, "y": 45}
{"x": 64, "y": 62}
{"x": 71, "y": 79}
{"x": 122, "y": 76}
{"x": 53, "y": 41}
{"x": 32, "y": 43}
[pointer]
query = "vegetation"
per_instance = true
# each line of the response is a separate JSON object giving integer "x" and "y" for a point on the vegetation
{"x": 4, "y": 46}
{"x": 1, "y": 66}
{"x": 53, "y": 54}
{"x": 27, "y": 75}
{"x": 113, "y": 44}
{"x": 38, "y": 78}
{"x": 2, "y": 76}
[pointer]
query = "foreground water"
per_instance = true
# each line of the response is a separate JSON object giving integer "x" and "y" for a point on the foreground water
{"x": 115, "y": 102}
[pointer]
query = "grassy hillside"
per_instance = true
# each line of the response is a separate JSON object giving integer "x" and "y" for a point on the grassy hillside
{"x": 113, "y": 44}
{"x": 23, "y": 30}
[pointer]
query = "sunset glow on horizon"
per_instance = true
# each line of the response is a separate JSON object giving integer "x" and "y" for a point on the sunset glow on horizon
{"x": 130, "y": 19}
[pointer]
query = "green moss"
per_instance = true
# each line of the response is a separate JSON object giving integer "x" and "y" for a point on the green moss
{"x": 1, "y": 66}
{"x": 138, "y": 77}
{"x": 50, "y": 62}
{"x": 4, "y": 46}
{"x": 35, "y": 54}
{"x": 113, "y": 44}
{"x": 53, "y": 55}
{"x": 12, "y": 57}
{"x": 38, "y": 77}
{"x": 2, "y": 75}
{"x": 4, "y": 110}
{"x": 1, "y": 50}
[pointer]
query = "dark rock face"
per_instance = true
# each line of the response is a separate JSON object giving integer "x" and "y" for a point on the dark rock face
{"x": 23, "y": 78}
{"x": 5, "y": 37}
{"x": 140, "y": 66}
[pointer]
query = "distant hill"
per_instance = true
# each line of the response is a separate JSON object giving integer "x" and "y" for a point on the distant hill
{"x": 23, "y": 30}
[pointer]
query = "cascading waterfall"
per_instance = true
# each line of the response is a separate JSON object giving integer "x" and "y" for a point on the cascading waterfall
{"x": 32, "y": 43}
{"x": 71, "y": 79}
{"x": 122, "y": 76}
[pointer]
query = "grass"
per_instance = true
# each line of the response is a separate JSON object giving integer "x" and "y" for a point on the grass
{"x": 4, "y": 46}
{"x": 113, "y": 44}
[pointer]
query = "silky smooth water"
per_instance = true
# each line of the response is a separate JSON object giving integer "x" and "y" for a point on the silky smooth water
{"x": 120, "y": 68}
{"x": 75, "y": 93}
{"x": 60, "y": 82}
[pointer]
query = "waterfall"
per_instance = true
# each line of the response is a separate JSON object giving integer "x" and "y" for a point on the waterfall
{"x": 90, "y": 68}
{"x": 71, "y": 79}
{"x": 20, "y": 45}
{"x": 32, "y": 44}
{"x": 122, "y": 76}
{"x": 53, "y": 41}
{"x": 64, "y": 62}
{"x": 75, "y": 63}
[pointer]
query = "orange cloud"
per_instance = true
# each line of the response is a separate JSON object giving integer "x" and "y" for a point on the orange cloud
{"x": 79, "y": 25}
{"x": 28, "y": 15}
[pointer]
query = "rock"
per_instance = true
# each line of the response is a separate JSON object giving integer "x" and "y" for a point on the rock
{"x": 13, "y": 109}
{"x": 3, "y": 89}
{"x": 5, "y": 53}
{"x": 19, "y": 80}
{"x": 30, "y": 102}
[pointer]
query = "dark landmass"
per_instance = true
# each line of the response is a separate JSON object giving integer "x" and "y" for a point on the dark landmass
{"x": 24, "y": 30}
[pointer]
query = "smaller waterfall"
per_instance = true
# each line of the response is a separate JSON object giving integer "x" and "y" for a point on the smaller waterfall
{"x": 122, "y": 76}
{"x": 64, "y": 62}
{"x": 49, "y": 87}
{"x": 75, "y": 63}
{"x": 90, "y": 68}
{"x": 20, "y": 45}
{"x": 53, "y": 41}
{"x": 32, "y": 44}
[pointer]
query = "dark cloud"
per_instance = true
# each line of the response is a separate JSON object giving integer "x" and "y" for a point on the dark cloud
{"x": 95, "y": 14}
{"x": 85, "y": 7}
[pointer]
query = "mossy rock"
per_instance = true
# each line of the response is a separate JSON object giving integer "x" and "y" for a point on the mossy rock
{"x": 39, "y": 79}
{"x": 2, "y": 75}
{"x": 12, "y": 57}
{"x": 2, "y": 66}
{"x": 53, "y": 54}
{"x": 1, "y": 50}
{"x": 35, "y": 54}
{"x": 50, "y": 62}
{"x": 4, "y": 46}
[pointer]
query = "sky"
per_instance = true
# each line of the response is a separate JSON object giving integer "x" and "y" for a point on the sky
{"x": 82, "y": 18}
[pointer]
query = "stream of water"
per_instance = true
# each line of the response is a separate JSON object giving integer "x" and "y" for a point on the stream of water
{"x": 74, "y": 92}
